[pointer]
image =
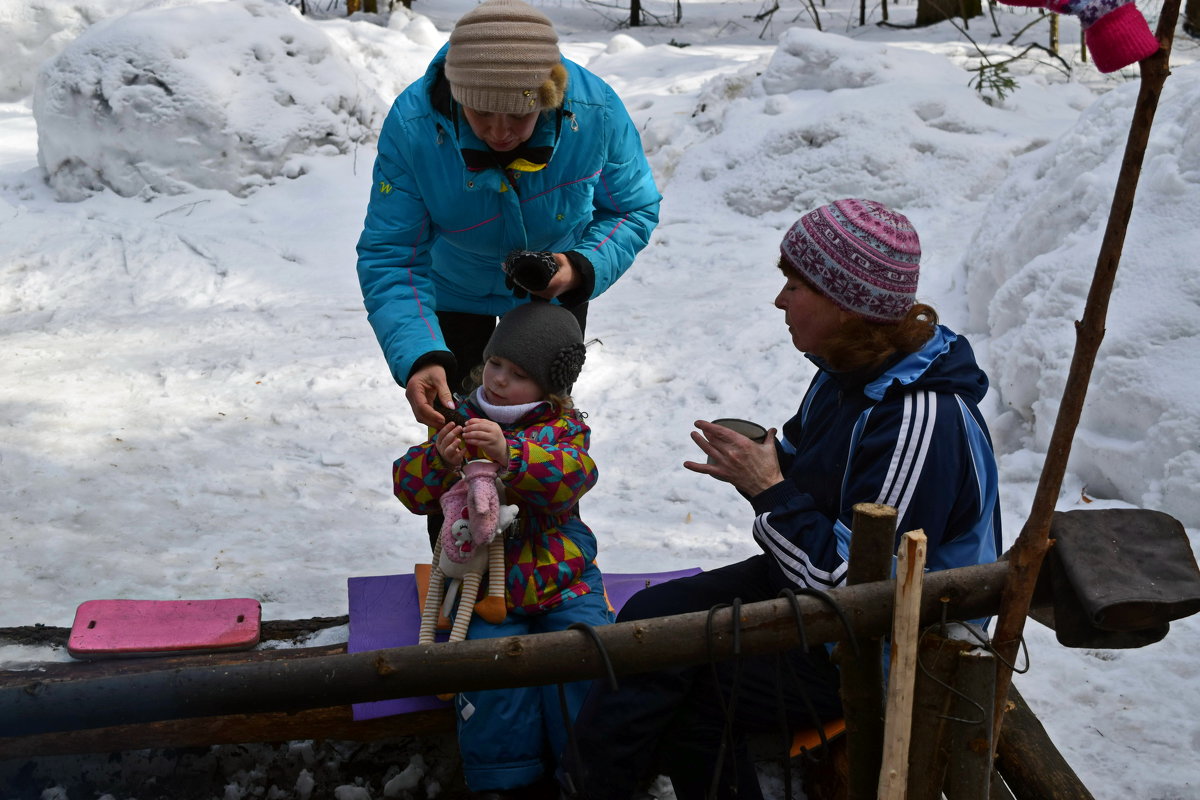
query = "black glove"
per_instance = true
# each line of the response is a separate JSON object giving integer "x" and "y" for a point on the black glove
{"x": 528, "y": 271}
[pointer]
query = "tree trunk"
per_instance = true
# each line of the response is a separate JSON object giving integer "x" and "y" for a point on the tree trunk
{"x": 1191, "y": 19}
{"x": 933, "y": 11}
{"x": 635, "y": 13}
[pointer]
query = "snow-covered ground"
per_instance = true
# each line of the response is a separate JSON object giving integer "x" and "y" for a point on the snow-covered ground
{"x": 194, "y": 404}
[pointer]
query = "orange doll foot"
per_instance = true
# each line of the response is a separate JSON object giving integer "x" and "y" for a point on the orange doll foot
{"x": 492, "y": 609}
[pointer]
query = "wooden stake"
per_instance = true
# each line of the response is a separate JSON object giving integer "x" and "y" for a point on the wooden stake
{"x": 928, "y": 751}
{"x": 872, "y": 543}
{"x": 1026, "y": 555}
{"x": 897, "y": 725}
{"x": 969, "y": 767}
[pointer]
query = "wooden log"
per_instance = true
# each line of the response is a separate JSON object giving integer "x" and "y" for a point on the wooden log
{"x": 152, "y": 690}
{"x": 897, "y": 721}
{"x": 969, "y": 766}
{"x": 1030, "y": 764}
{"x": 318, "y": 723}
{"x": 872, "y": 543}
{"x": 999, "y": 789}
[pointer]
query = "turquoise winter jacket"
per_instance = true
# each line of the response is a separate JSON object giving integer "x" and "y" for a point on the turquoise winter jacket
{"x": 437, "y": 230}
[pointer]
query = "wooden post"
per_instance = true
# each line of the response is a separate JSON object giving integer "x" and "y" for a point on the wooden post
{"x": 872, "y": 543}
{"x": 929, "y": 752}
{"x": 902, "y": 675}
{"x": 969, "y": 767}
{"x": 1026, "y": 555}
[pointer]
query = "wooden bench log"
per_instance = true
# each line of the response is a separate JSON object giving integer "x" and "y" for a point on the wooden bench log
{"x": 72, "y": 697}
{"x": 1029, "y": 762}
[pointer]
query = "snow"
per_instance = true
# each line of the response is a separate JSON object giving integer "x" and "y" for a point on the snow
{"x": 195, "y": 406}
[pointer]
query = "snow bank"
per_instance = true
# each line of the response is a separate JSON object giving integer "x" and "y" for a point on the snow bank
{"x": 32, "y": 31}
{"x": 1029, "y": 269}
{"x": 211, "y": 96}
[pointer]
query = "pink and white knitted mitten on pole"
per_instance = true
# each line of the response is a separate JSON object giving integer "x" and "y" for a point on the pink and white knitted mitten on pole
{"x": 1115, "y": 32}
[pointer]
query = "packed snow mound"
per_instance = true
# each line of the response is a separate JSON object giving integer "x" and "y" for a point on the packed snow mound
{"x": 213, "y": 96}
{"x": 796, "y": 140}
{"x": 1028, "y": 283}
{"x": 811, "y": 59}
{"x": 32, "y": 31}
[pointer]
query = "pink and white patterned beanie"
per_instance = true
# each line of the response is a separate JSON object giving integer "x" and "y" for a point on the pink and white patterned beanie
{"x": 860, "y": 254}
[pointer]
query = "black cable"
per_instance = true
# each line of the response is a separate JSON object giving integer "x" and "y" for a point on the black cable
{"x": 596, "y": 640}
{"x": 816, "y": 721}
{"x": 815, "y": 718}
{"x": 575, "y": 781}
{"x": 827, "y": 600}
{"x": 727, "y": 709}
{"x": 785, "y": 729}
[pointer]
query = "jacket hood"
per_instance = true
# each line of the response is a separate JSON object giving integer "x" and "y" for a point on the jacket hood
{"x": 946, "y": 364}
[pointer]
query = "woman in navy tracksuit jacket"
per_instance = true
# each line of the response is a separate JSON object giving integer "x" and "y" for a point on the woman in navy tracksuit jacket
{"x": 455, "y": 192}
{"x": 890, "y": 417}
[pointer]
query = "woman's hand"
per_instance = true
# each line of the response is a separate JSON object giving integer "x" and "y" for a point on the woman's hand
{"x": 486, "y": 437}
{"x": 751, "y": 467}
{"x": 423, "y": 387}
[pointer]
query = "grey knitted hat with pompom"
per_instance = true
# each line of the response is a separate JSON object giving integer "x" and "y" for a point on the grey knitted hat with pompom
{"x": 544, "y": 340}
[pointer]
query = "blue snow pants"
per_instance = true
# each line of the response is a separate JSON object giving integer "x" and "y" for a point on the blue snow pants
{"x": 672, "y": 721}
{"x": 508, "y": 738}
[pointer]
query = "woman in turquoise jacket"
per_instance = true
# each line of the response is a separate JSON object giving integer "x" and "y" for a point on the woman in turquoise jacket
{"x": 502, "y": 151}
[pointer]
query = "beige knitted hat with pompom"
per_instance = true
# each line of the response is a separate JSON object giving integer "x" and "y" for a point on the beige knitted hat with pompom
{"x": 504, "y": 59}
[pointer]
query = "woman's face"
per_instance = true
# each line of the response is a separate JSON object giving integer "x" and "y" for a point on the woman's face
{"x": 507, "y": 384}
{"x": 811, "y": 317}
{"x": 501, "y": 132}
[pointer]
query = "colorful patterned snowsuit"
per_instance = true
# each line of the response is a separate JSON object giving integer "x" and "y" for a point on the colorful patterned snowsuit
{"x": 551, "y": 582}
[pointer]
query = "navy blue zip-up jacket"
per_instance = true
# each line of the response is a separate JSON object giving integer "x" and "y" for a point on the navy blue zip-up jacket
{"x": 910, "y": 436}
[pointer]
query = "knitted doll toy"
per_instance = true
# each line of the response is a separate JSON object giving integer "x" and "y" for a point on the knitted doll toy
{"x": 468, "y": 546}
{"x": 1115, "y": 32}
{"x": 546, "y": 342}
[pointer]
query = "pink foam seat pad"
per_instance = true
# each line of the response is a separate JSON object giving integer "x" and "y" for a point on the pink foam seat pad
{"x": 124, "y": 628}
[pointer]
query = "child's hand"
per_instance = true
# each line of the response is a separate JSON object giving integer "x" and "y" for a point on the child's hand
{"x": 486, "y": 437}
{"x": 449, "y": 444}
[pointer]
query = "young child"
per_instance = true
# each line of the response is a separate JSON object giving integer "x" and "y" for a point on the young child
{"x": 522, "y": 418}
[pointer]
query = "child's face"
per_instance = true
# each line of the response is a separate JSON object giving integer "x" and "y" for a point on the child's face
{"x": 507, "y": 384}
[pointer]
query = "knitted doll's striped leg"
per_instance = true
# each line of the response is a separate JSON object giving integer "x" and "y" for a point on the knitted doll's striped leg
{"x": 466, "y": 606}
{"x": 433, "y": 601}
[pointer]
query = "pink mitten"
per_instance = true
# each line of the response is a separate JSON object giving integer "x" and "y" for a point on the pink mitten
{"x": 1117, "y": 37}
{"x": 1115, "y": 32}
{"x": 454, "y": 506}
{"x": 480, "y": 477}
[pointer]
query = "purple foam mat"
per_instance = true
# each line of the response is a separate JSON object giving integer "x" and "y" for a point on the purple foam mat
{"x": 384, "y": 613}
